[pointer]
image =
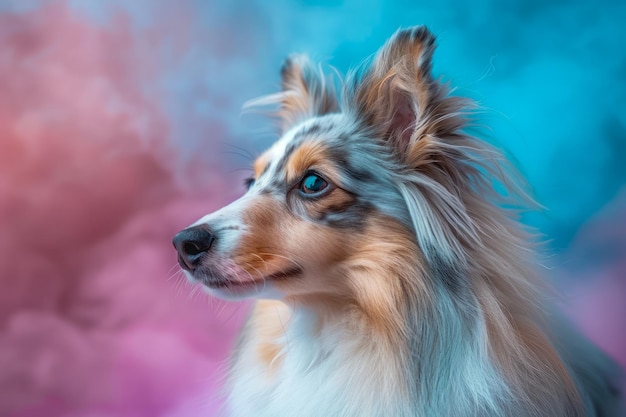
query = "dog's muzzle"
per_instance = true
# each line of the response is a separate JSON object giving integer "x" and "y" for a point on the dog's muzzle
{"x": 192, "y": 245}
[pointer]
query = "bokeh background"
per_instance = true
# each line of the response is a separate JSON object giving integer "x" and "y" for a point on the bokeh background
{"x": 120, "y": 123}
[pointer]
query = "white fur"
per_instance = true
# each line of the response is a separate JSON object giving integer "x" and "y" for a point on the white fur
{"x": 323, "y": 375}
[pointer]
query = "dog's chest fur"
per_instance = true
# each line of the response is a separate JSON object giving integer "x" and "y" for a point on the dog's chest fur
{"x": 314, "y": 375}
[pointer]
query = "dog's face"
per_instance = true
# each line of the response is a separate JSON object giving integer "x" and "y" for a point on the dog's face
{"x": 315, "y": 195}
{"x": 328, "y": 201}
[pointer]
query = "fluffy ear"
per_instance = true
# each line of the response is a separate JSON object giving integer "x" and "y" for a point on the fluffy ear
{"x": 399, "y": 101}
{"x": 398, "y": 97}
{"x": 306, "y": 92}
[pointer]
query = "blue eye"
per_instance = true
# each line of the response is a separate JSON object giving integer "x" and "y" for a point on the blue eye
{"x": 249, "y": 183}
{"x": 313, "y": 184}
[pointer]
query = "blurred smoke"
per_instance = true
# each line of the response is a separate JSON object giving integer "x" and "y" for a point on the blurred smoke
{"x": 90, "y": 195}
{"x": 119, "y": 125}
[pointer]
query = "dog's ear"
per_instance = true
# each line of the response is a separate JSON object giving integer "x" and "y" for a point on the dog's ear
{"x": 398, "y": 100}
{"x": 306, "y": 91}
{"x": 398, "y": 97}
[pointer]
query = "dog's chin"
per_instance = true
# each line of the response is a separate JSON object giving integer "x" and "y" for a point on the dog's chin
{"x": 235, "y": 287}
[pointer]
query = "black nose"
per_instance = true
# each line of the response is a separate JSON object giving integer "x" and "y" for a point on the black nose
{"x": 192, "y": 243}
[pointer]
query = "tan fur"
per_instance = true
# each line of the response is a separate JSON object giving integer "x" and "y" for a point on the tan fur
{"x": 267, "y": 325}
{"x": 310, "y": 154}
{"x": 373, "y": 306}
{"x": 260, "y": 164}
{"x": 257, "y": 253}
{"x": 274, "y": 239}
{"x": 380, "y": 300}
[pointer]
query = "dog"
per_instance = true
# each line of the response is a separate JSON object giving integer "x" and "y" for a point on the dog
{"x": 391, "y": 274}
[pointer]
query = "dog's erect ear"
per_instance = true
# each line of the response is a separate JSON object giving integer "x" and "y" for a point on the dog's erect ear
{"x": 306, "y": 92}
{"x": 398, "y": 96}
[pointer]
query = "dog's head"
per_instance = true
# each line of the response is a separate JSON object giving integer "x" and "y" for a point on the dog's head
{"x": 370, "y": 180}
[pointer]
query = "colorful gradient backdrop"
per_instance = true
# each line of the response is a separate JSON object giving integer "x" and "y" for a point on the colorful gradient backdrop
{"x": 120, "y": 123}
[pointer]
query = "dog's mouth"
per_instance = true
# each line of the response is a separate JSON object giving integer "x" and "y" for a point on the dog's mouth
{"x": 216, "y": 280}
{"x": 285, "y": 274}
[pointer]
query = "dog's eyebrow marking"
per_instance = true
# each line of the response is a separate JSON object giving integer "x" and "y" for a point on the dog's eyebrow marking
{"x": 305, "y": 155}
{"x": 261, "y": 164}
{"x": 299, "y": 137}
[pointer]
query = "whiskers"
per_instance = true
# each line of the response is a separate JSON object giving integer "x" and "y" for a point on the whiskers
{"x": 182, "y": 285}
{"x": 260, "y": 275}
{"x": 180, "y": 282}
{"x": 287, "y": 258}
{"x": 260, "y": 268}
